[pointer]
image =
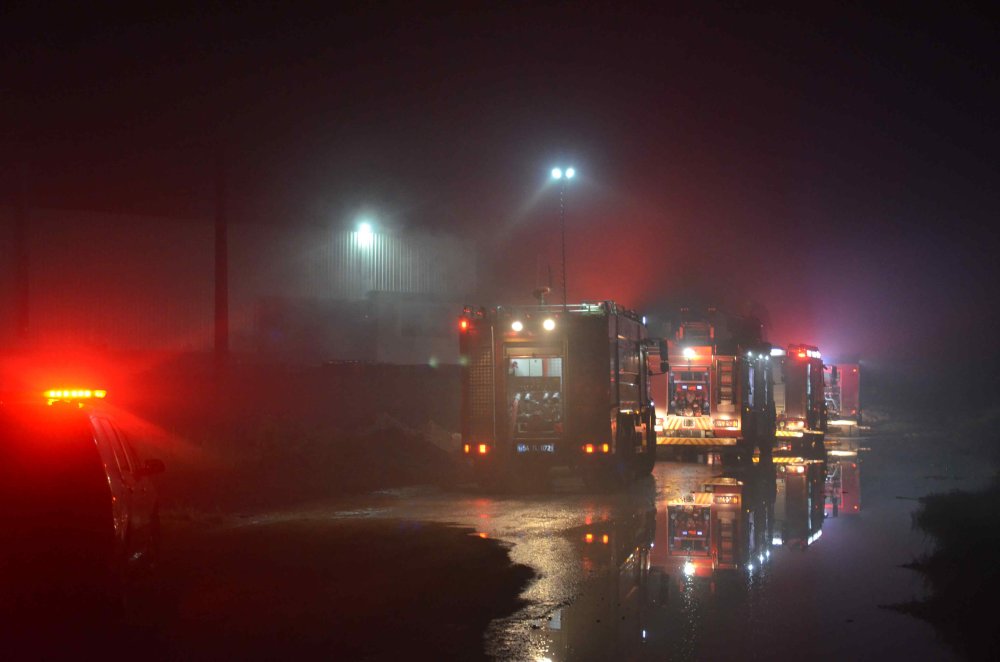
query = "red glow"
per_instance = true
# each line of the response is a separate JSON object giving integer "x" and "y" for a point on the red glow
{"x": 605, "y": 448}
{"x": 463, "y": 324}
{"x": 483, "y": 449}
{"x": 589, "y": 449}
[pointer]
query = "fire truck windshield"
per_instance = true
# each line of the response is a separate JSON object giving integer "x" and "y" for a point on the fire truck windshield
{"x": 534, "y": 395}
{"x": 689, "y": 393}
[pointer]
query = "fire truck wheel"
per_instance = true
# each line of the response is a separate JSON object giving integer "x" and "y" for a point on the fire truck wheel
{"x": 645, "y": 463}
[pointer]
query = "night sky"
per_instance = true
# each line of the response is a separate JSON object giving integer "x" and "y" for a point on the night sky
{"x": 837, "y": 166}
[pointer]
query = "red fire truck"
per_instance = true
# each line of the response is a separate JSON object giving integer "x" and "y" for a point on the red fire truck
{"x": 799, "y": 399}
{"x": 536, "y": 392}
{"x": 718, "y": 392}
{"x": 843, "y": 393}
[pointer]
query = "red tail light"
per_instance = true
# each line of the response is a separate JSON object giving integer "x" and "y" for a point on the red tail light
{"x": 588, "y": 449}
{"x": 605, "y": 448}
{"x": 463, "y": 324}
{"x": 483, "y": 449}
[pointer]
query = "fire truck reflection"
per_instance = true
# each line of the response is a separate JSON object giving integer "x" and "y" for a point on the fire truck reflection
{"x": 843, "y": 483}
{"x": 726, "y": 527}
{"x": 613, "y": 615}
{"x": 800, "y": 491}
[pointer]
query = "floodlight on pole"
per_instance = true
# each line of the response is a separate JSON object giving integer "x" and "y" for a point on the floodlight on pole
{"x": 365, "y": 234}
{"x": 562, "y": 176}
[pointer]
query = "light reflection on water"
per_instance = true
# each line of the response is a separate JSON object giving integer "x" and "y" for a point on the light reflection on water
{"x": 812, "y": 597}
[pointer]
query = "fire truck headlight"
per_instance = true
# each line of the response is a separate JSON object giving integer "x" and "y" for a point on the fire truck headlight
{"x": 689, "y": 569}
{"x": 549, "y": 324}
{"x": 517, "y": 326}
{"x": 689, "y": 353}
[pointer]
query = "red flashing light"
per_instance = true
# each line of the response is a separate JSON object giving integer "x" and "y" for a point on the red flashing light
{"x": 588, "y": 449}
{"x": 589, "y": 538}
{"x": 605, "y": 448}
{"x": 802, "y": 355}
{"x": 483, "y": 449}
{"x": 463, "y": 324}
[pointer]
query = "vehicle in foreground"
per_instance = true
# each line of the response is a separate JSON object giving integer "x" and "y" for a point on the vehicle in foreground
{"x": 78, "y": 512}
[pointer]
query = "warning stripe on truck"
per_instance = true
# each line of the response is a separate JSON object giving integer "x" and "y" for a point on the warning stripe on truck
{"x": 696, "y": 441}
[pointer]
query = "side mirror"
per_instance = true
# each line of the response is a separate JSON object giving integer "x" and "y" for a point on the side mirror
{"x": 151, "y": 468}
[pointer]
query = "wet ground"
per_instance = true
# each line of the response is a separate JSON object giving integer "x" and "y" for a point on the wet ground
{"x": 567, "y": 575}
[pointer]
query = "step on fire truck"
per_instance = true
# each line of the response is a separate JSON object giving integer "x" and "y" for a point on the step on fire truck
{"x": 717, "y": 397}
{"x": 537, "y": 393}
{"x": 799, "y": 400}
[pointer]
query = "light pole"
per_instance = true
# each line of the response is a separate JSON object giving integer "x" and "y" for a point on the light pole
{"x": 562, "y": 176}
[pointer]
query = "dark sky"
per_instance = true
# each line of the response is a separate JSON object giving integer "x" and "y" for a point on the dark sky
{"x": 837, "y": 165}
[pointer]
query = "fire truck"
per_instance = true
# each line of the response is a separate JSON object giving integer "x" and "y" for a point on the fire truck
{"x": 718, "y": 393}
{"x": 537, "y": 392}
{"x": 843, "y": 393}
{"x": 799, "y": 398}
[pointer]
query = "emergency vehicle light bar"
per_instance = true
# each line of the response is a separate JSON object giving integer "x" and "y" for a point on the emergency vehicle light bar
{"x": 54, "y": 395}
{"x": 75, "y": 394}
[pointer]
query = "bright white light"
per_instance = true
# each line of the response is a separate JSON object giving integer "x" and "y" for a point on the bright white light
{"x": 549, "y": 324}
{"x": 570, "y": 173}
{"x": 689, "y": 569}
{"x": 366, "y": 235}
{"x": 749, "y": 567}
{"x": 761, "y": 558}
{"x": 557, "y": 173}
{"x": 689, "y": 353}
{"x": 517, "y": 326}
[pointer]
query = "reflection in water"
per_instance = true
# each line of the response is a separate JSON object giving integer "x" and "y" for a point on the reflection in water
{"x": 658, "y": 579}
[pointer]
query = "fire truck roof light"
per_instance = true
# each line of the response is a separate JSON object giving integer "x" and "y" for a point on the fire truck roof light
{"x": 75, "y": 394}
{"x": 463, "y": 324}
{"x": 777, "y": 351}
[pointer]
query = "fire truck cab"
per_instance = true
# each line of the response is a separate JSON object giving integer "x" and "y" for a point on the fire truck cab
{"x": 537, "y": 392}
